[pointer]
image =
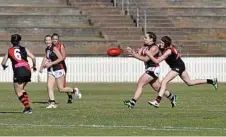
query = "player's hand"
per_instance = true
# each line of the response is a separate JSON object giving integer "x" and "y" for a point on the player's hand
{"x": 49, "y": 64}
{"x": 34, "y": 68}
{"x": 40, "y": 70}
{"x": 4, "y": 67}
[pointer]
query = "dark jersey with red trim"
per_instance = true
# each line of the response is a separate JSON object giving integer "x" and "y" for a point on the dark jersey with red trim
{"x": 150, "y": 63}
{"x": 18, "y": 57}
{"x": 59, "y": 45}
{"x": 174, "y": 60}
{"x": 50, "y": 55}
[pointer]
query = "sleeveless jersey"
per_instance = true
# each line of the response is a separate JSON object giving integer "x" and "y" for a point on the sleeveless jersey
{"x": 50, "y": 55}
{"x": 174, "y": 60}
{"x": 150, "y": 63}
{"x": 18, "y": 57}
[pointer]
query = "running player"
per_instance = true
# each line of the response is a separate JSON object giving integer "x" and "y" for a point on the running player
{"x": 151, "y": 75}
{"x": 21, "y": 69}
{"x": 61, "y": 47}
{"x": 53, "y": 62}
{"x": 173, "y": 59}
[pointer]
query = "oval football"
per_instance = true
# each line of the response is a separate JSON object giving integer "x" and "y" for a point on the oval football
{"x": 114, "y": 52}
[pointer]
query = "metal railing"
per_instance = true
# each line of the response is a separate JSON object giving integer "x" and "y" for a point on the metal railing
{"x": 131, "y": 7}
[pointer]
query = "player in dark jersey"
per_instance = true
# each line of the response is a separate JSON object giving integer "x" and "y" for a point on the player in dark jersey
{"x": 21, "y": 69}
{"x": 173, "y": 59}
{"x": 151, "y": 75}
{"x": 53, "y": 62}
{"x": 61, "y": 47}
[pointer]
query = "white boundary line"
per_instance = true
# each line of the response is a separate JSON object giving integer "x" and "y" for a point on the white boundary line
{"x": 165, "y": 128}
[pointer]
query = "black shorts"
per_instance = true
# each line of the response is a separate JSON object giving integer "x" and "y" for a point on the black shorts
{"x": 179, "y": 69}
{"x": 21, "y": 79}
{"x": 153, "y": 72}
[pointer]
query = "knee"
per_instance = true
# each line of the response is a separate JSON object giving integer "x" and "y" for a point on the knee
{"x": 189, "y": 83}
{"x": 140, "y": 85}
{"x": 61, "y": 89}
{"x": 164, "y": 83}
{"x": 156, "y": 88}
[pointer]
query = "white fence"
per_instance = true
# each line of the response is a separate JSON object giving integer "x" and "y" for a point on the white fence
{"x": 118, "y": 69}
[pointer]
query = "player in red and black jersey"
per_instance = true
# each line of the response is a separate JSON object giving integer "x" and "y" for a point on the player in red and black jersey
{"x": 152, "y": 70}
{"x": 173, "y": 59}
{"x": 55, "y": 40}
{"x": 56, "y": 72}
{"x": 21, "y": 69}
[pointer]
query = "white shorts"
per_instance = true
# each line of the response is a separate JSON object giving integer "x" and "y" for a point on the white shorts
{"x": 153, "y": 71}
{"x": 57, "y": 73}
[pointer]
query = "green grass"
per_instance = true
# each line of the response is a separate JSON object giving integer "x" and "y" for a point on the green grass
{"x": 200, "y": 111}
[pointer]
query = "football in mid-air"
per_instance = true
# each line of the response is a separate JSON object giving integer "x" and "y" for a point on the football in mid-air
{"x": 114, "y": 52}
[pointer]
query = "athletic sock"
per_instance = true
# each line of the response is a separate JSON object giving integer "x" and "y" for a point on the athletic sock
{"x": 25, "y": 101}
{"x": 158, "y": 99}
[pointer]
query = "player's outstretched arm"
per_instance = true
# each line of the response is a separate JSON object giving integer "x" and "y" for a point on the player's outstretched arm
{"x": 161, "y": 58}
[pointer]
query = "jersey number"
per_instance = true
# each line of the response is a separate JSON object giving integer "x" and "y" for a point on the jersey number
{"x": 17, "y": 54}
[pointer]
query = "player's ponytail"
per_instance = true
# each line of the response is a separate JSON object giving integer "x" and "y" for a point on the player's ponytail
{"x": 167, "y": 41}
{"x": 15, "y": 39}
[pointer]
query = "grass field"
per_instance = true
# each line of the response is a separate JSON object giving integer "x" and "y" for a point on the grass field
{"x": 200, "y": 111}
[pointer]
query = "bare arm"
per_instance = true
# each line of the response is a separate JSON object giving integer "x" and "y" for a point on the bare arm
{"x": 32, "y": 56}
{"x": 154, "y": 50}
{"x": 43, "y": 63}
{"x": 4, "y": 60}
{"x": 161, "y": 58}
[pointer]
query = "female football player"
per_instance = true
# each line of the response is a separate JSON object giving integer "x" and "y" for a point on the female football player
{"x": 21, "y": 69}
{"x": 173, "y": 59}
{"x": 151, "y": 75}
{"x": 53, "y": 61}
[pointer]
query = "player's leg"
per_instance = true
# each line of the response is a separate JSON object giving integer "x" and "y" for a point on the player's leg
{"x": 70, "y": 98}
{"x": 19, "y": 89}
{"x": 185, "y": 77}
{"x": 50, "y": 89}
{"x": 171, "y": 75}
{"x": 155, "y": 84}
{"x": 61, "y": 88}
{"x": 143, "y": 81}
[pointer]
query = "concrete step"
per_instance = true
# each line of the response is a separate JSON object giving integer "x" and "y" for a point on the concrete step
{"x": 77, "y": 31}
{"x": 191, "y": 10}
{"x": 123, "y": 33}
{"x": 117, "y": 21}
{"x": 42, "y": 20}
{"x": 119, "y": 29}
{"x": 118, "y": 37}
{"x": 160, "y": 25}
{"x": 33, "y": 2}
{"x": 38, "y": 10}
{"x": 115, "y": 25}
{"x": 63, "y": 38}
{"x": 114, "y": 17}
{"x": 93, "y": 4}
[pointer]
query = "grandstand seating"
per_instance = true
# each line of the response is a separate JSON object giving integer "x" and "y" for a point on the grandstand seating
{"x": 92, "y": 26}
{"x": 37, "y": 18}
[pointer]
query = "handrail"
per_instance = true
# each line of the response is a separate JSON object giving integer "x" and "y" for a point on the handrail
{"x": 121, "y": 4}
